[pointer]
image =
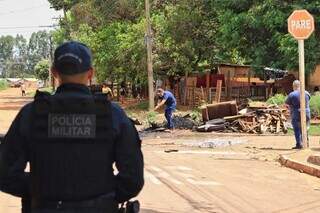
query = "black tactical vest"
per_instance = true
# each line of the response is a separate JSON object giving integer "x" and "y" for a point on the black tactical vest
{"x": 72, "y": 148}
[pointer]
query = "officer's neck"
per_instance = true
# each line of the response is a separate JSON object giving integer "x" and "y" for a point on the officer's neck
{"x": 73, "y": 82}
{"x": 83, "y": 81}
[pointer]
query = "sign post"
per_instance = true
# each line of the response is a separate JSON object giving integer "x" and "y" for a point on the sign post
{"x": 301, "y": 26}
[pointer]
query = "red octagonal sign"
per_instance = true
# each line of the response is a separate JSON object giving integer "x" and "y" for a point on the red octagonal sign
{"x": 300, "y": 24}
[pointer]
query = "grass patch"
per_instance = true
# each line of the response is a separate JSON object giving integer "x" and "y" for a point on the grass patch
{"x": 315, "y": 105}
{"x": 278, "y": 99}
{"x": 3, "y": 85}
{"x": 141, "y": 106}
{"x": 45, "y": 89}
{"x": 314, "y": 130}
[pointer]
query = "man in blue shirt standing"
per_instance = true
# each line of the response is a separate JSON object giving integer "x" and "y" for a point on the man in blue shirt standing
{"x": 293, "y": 101}
{"x": 168, "y": 99}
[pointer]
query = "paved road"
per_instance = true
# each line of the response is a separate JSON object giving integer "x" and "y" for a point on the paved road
{"x": 219, "y": 181}
{"x": 196, "y": 181}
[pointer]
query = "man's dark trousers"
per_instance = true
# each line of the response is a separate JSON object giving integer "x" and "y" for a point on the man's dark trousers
{"x": 296, "y": 124}
{"x": 169, "y": 114}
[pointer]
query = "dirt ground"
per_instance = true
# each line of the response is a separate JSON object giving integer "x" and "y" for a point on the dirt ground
{"x": 11, "y": 102}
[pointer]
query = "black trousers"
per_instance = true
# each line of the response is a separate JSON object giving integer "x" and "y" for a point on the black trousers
{"x": 99, "y": 205}
{"x": 76, "y": 210}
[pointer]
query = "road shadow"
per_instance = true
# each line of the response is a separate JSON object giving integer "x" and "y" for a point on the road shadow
{"x": 14, "y": 98}
{"x": 152, "y": 211}
{"x": 276, "y": 149}
{"x": 315, "y": 149}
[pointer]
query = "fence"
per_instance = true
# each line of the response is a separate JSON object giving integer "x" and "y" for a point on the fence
{"x": 195, "y": 96}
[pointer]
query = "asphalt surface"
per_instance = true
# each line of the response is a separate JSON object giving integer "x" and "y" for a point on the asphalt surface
{"x": 202, "y": 180}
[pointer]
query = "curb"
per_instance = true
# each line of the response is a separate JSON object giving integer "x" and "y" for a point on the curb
{"x": 308, "y": 169}
{"x": 314, "y": 159}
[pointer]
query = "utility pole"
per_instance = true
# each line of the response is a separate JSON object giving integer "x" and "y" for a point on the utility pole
{"x": 149, "y": 53}
{"x": 301, "y": 26}
{"x": 51, "y": 78}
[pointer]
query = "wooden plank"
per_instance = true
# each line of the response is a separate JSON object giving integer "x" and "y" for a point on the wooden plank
{"x": 205, "y": 115}
{"x": 229, "y": 87}
{"x": 218, "y": 91}
{"x": 263, "y": 128}
{"x": 202, "y": 94}
{"x": 278, "y": 127}
{"x": 228, "y": 118}
{"x": 207, "y": 84}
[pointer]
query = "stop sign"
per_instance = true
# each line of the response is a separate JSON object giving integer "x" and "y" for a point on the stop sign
{"x": 300, "y": 24}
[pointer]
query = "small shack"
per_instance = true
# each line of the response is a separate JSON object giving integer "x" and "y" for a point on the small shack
{"x": 238, "y": 82}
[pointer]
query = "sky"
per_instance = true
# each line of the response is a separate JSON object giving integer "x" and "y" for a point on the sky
{"x": 25, "y": 16}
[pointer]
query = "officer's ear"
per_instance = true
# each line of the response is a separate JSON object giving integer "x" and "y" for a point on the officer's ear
{"x": 54, "y": 73}
{"x": 90, "y": 73}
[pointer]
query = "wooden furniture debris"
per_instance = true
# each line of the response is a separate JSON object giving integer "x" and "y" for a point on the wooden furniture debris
{"x": 219, "y": 110}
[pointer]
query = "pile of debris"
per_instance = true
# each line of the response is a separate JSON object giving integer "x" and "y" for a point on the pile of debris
{"x": 260, "y": 121}
{"x": 184, "y": 121}
{"x": 257, "y": 118}
{"x": 181, "y": 120}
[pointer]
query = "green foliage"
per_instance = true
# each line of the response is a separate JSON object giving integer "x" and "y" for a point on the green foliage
{"x": 39, "y": 48}
{"x": 315, "y": 105}
{"x": 314, "y": 130}
{"x": 196, "y": 115}
{"x": 141, "y": 106}
{"x": 62, "y": 4}
{"x": 188, "y": 35}
{"x": 3, "y": 85}
{"x": 42, "y": 69}
{"x": 152, "y": 118}
{"x": 45, "y": 89}
{"x": 257, "y": 30}
{"x": 19, "y": 56}
{"x": 6, "y": 47}
{"x": 278, "y": 99}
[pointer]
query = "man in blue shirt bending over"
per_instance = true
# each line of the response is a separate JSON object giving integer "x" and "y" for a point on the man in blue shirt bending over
{"x": 168, "y": 99}
{"x": 293, "y": 101}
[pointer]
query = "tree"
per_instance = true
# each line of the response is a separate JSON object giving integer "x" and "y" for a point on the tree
{"x": 6, "y": 53}
{"x": 185, "y": 37}
{"x": 42, "y": 69}
{"x": 188, "y": 35}
{"x": 256, "y": 32}
{"x": 39, "y": 48}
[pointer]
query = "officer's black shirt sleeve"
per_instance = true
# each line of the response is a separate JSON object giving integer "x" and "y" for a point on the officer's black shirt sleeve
{"x": 129, "y": 159}
{"x": 13, "y": 159}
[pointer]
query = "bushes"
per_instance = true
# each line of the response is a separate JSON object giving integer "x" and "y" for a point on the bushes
{"x": 152, "y": 119}
{"x": 278, "y": 99}
{"x": 3, "y": 84}
{"x": 141, "y": 106}
{"x": 315, "y": 105}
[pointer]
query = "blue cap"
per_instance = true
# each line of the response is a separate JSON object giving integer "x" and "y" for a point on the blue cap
{"x": 72, "y": 57}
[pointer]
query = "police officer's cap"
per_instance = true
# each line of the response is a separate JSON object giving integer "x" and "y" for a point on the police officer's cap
{"x": 72, "y": 58}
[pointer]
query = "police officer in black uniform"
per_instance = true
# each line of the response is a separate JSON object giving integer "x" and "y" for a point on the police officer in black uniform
{"x": 72, "y": 140}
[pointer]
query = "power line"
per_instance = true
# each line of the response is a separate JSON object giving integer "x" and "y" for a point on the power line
{"x": 22, "y": 10}
{"x": 16, "y": 32}
{"x": 26, "y": 27}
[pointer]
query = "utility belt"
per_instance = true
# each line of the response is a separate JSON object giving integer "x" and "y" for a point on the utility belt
{"x": 105, "y": 201}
